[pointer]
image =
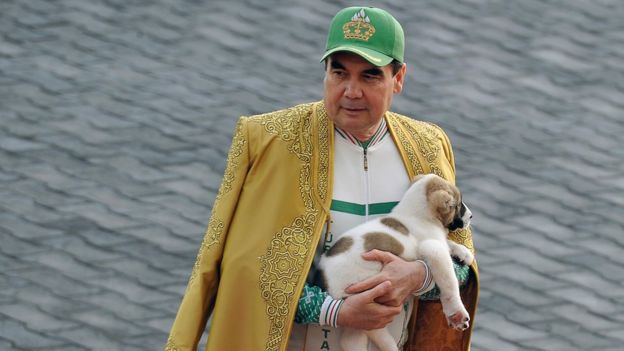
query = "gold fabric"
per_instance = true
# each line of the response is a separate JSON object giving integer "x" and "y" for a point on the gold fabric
{"x": 267, "y": 220}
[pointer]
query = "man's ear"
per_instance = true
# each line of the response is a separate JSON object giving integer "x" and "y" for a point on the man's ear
{"x": 399, "y": 79}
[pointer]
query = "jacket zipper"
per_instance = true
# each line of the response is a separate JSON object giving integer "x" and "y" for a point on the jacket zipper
{"x": 366, "y": 183}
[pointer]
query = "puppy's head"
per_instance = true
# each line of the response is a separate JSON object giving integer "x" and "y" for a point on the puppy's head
{"x": 445, "y": 203}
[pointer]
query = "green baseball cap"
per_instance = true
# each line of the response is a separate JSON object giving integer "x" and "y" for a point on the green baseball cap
{"x": 369, "y": 32}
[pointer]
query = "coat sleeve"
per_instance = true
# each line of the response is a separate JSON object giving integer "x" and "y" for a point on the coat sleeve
{"x": 198, "y": 300}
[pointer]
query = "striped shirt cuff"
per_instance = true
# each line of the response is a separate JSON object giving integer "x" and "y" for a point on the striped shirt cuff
{"x": 428, "y": 282}
{"x": 329, "y": 312}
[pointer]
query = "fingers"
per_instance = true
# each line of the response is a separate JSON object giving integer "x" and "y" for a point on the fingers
{"x": 378, "y": 255}
{"x": 384, "y": 296}
{"x": 373, "y": 255}
{"x": 361, "y": 312}
{"x": 390, "y": 300}
{"x": 364, "y": 285}
{"x": 377, "y": 291}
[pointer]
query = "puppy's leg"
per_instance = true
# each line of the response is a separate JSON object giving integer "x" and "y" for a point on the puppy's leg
{"x": 383, "y": 339}
{"x": 436, "y": 254}
{"x": 353, "y": 340}
{"x": 461, "y": 252}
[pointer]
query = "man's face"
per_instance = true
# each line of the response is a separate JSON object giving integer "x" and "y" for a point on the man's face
{"x": 358, "y": 93}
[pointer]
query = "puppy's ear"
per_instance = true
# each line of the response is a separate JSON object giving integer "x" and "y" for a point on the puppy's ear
{"x": 443, "y": 205}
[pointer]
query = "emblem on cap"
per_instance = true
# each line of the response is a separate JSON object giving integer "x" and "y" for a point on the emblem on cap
{"x": 359, "y": 27}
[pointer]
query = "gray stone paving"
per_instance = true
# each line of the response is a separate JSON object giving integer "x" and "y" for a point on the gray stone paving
{"x": 116, "y": 116}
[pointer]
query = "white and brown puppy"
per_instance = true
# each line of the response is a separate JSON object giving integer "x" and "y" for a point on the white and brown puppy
{"x": 417, "y": 228}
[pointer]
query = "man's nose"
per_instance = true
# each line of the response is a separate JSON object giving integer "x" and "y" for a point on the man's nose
{"x": 353, "y": 90}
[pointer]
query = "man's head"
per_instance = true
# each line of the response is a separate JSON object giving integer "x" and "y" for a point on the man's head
{"x": 369, "y": 32}
{"x": 363, "y": 68}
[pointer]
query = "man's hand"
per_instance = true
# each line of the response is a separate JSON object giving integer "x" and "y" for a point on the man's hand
{"x": 360, "y": 311}
{"x": 405, "y": 277}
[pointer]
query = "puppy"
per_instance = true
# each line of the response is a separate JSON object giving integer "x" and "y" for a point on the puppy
{"x": 417, "y": 228}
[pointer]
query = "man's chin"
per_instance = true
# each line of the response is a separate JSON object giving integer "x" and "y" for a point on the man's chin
{"x": 353, "y": 114}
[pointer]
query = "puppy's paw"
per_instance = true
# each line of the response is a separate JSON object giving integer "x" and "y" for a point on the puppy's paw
{"x": 460, "y": 320}
{"x": 462, "y": 253}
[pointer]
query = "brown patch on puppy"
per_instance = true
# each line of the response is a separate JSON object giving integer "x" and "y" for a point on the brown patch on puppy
{"x": 395, "y": 224}
{"x": 382, "y": 241}
{"x": 343, "y": 244}
{"x": 444, "y": 199}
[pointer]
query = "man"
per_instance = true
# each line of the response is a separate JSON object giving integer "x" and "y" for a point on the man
{"x": 297, "y": 178}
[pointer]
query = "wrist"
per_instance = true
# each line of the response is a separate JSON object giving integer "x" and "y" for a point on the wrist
{"x": 427, "y": 282}
{"x": 330, "y": 311}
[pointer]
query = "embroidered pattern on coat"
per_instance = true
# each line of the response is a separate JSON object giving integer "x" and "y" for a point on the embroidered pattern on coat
{"x": 323, "y": 142}
{"x": 425, "y": 139}
{"x": 280, "y": 271}
{"x": 407, "y": 146}
{"x": 282, "y": 265}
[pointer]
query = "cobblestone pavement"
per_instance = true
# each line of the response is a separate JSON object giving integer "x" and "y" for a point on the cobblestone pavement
{"x": 116, "y": 116}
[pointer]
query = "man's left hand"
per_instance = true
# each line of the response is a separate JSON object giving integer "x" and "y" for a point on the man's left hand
{"x": 405, "y": 276}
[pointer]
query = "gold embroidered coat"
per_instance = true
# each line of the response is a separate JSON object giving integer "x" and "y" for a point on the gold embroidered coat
{"x": 267, "y": 220}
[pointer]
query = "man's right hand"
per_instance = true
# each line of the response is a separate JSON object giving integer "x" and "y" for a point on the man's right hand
{"x": 360, "y": 311}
